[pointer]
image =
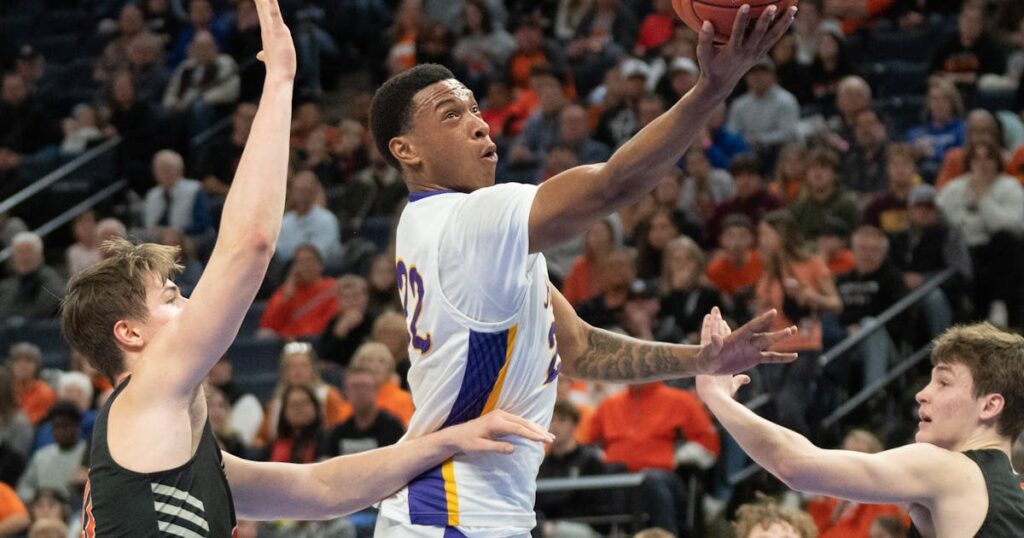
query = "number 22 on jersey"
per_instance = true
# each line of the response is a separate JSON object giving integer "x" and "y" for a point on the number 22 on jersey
{"x": 410, "y": 281}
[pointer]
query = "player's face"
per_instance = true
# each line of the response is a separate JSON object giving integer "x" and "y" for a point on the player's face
{"x": 452, "y": 143}
{"x": 948, "y": 409}
{"x": 164, "y": 302}
{"x": 775, "y": 530}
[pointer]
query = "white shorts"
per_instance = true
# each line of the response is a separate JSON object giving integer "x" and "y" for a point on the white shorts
{"x": 389, "y": 528}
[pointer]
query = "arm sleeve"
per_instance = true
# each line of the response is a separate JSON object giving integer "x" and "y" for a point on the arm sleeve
{"x": 484, "y": 254}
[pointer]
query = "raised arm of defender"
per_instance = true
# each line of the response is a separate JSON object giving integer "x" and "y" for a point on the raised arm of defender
{"x": 191, "y": 344}
{"x": 569, "y": 202}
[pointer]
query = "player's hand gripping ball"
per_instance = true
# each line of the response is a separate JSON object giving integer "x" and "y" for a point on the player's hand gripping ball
{"x": 722, "y": 13}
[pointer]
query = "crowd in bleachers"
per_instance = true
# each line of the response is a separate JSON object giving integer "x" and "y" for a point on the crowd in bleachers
{"x": 879, "y": 143}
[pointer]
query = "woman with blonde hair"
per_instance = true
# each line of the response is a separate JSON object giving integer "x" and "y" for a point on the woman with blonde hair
{"x": 686, "y": 294}
{"x": 944, "y": 126}
{"x": 299, "y": 367}
{"x": 790, "y": 169}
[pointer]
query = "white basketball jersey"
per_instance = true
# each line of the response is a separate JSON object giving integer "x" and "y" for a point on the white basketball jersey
{"x": 482, "y": 332}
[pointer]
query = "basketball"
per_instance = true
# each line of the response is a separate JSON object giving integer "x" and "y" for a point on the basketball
{"x": 722, "y": 13}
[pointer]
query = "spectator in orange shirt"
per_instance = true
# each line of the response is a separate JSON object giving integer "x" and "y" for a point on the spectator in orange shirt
{"x": 584, "y": 281}
{"x": 836, "y": 518}
{"x": 304, "y": 304}
{"x": 654, "y": 429}
{"x": 34, "y": 396}
{"x": 300, "y": 427}
{"x": 298, "y": 367}
{"x": 376, "y": 357}
{"x": 737, "y": 267}
{"x": 13, "y": 514}
{"x": 800, "y": 287}
{"x": 790, "y": 170}
{"x": 834, "y": 246}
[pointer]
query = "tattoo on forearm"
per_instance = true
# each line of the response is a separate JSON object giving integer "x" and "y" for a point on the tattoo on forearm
{"x": 613, "y": 357}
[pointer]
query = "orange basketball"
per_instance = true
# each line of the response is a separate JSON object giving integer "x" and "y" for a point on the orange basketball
{"x": 722, "y": 13}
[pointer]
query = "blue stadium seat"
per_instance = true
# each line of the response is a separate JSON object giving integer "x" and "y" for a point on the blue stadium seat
{"x": 377, "y": 230}
{"x": 895, "y": 78}
{"x": 259, "y": 385}
{"x": 901, "y": 113}
{"x": 45, "y": 334}
{"x": 915, "y": 46}
{"x": 251, "y": 323}
{"x": 249, "y": 356}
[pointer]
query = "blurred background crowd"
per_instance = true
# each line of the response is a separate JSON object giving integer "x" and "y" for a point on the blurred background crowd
{"x": 866, "y": 179}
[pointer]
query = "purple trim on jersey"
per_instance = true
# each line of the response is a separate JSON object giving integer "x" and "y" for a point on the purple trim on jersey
{"x": 428, "y": 504}
{"x": 416, "y": 196}
{"x": 453, "y": 532}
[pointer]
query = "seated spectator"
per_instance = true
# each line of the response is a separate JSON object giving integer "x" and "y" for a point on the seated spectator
{"x": 569, "y": 459}
{"x": 374, "y": 191}
{"x": 501, "y": 111}
{"x": 74, "y": 387}
{"x": 833, "y": 244}
{"x": 369, "y": 427}
{"x": 618, "y": 271}
{"x": 752, "y": 199}
{"x": 219, "y": 413}
{"x": 300, "y": 427}
{"x": 736, "y": 268}
{"x": 853, "y": 96}
{"x": 34, "y": 290}
{"x": 392, "y": 330}
{"x": 680, "y": 77}
{"x": 307, "y": 223}
{"x": 135, "y": 121}
{"x": 382, "y": 289}
{"x": 823, "y": 196}
{"x": 246, "y": 411}
{"x": 790, "y": 172}
{"x": 207, "y": 79}
{"x": 651, "y": 245}
{"x": 766, "y": 116}
{"x": 192, "y": 268}
{"x": 130, "y": 24}
{"x": 766, "y": 517}
{"x": 868, "y": 290}
{"x": 146, "y": 64}
{"x": 351, "y": 327}
{"x": 80, "y": 130}
{"x": 376, "y": 358}
{"x": 50, "y": 504}
{"x": 863, "y": 166}
{"x": 831, "y": 64}
{"x": 298, "y": 368}
{"x": 54, "y": 466}
{"x": 175, "y": 201}
{"x": 888, "y": 210}
{"x": 721, "y": 145}
{"x": 201, "y": 18}
{"x": 987, "y": 206}
{"x": 25, "y": 124}
{"x": 305, "y": 303}
{"x": 640, "y": 428}
{"x": 963, "y": 58}
{"x": 219, "y": 162}
{"x": 686, "y": 296}
{"x": 980, "y": 124}
{"x": 15, "y": 428}
{"x": 160, "y": 18}
{"x": 584, "y": 282}
{"x": 799, "y": 286}
{"x": 944, "y": 128}
{"x": 656, "y": 28}
{"x": 704, "y": 187}
{"x": 838, "y": 518}
{"x": 48, "y": 528}
{"x": 618, "y": 121}
{"x": 14, "y": 518}
{"x": 793, "y": 75}
{"x": 484, "y": 45}
{"x": 928, "y": 246}
{"x": 85, "y": 251}
{"x": 401, "y": 37}
{"x": 541, "y": 129}
{"x": 33, "y": 395}
{"x": 607, "y": 31}
{"x": 574, "y": 131}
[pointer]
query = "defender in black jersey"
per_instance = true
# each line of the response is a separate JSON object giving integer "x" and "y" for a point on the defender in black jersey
{"x": 957, "y": 478}
{"x": 155, "y": 468}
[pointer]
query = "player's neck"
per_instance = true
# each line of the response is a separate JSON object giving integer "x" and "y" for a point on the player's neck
{"x": 984, "y": 439}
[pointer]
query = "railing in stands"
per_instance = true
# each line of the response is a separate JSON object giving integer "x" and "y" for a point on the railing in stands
{"x": 619, "y": 481}
{"x": 72, "y": 212}
{"x": 58, "y": 174}
{"x": 850, "y": 343}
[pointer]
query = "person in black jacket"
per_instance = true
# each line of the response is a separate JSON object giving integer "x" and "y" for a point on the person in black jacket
{"x": 350, "y": 328}
{"x": 569, "y": 459}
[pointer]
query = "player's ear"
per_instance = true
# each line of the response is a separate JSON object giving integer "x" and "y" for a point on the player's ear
{"x": 405, "y": 151}
{"x": 992, "y": 406}
{"x": 128, "y": 335}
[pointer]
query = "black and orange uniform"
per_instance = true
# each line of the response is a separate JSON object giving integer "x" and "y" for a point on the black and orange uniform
{"x": 189, "y": 501}
{"x": 1005, "y": 517}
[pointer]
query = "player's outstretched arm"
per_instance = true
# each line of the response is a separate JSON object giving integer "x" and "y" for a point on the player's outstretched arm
{"x": 569, "y": 202}
{"x": 902, "y": 475}
{"x": 595, "y": 354}
{"x": 249, "y": 229}
{"x": 266, "y": 491}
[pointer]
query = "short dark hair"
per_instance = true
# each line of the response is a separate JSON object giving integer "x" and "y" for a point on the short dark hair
{"x": 390, "y": 111}
{"x": 823, "y": 158}
{"x": 737, "y": 220}
{"x": 567, "y": 410}
{"x": 745, "y": 163}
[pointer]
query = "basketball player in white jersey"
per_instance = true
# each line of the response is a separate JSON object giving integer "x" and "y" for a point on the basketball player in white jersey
{"x": 957, "y": 478}
{"x": 487, "y": 331}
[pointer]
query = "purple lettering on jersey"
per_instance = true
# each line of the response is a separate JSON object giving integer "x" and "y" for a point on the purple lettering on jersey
{"x": 411, "y": 280}
{"x": 555, "y": 366}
